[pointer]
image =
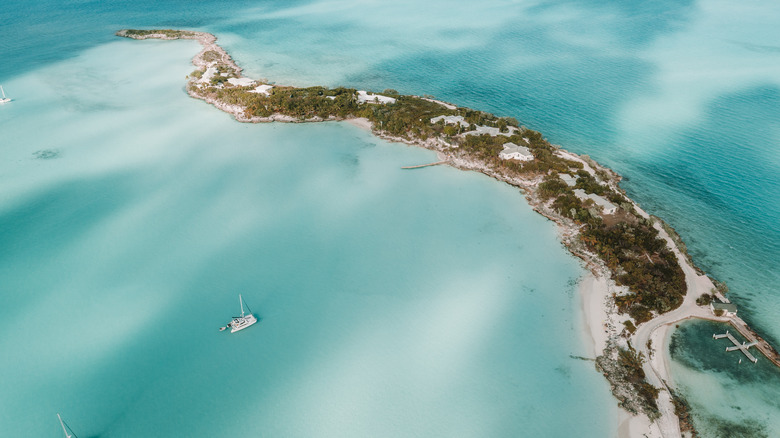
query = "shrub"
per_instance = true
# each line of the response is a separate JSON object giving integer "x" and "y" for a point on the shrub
{"x": 704, "y": 300}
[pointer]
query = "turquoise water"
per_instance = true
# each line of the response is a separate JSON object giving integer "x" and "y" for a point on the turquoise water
{"x": 391, "y": 302}
{"x": 680, "y": 97}
{"x": 705, "y": 372}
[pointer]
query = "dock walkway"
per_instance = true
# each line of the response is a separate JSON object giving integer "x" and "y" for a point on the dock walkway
{"x": 762, "y": 345}
{"x": 425, "y": 165}
{"x": 737, "y": 346}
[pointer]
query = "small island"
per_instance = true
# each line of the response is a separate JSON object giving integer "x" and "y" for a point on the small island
{"x": 642, "y": 281}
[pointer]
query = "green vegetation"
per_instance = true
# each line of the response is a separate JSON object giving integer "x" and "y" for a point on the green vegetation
{"x": 301, "y": 103}
{"x": 630, "y": 247}
{"x": 170, "y": 33}
{"x": 683, "y": 411}
{"x": 552, "y": 187}
{"x": 631, "y": 363}
{"x": 641, "y": 261}
{"x": 721, "y": 287}
{"x": 210, "y": 56}
{"x": 588, "y": 182}
{"x": 705, "y": 300}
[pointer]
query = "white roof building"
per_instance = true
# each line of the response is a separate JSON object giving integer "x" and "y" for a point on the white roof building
{"x": 241, "y": 82}
{"x": 365, "y": 97}
{"x": 514, "y": 152}
{"x": 568, "y": 179}
{"x": 482, "y": 129}
{"x": 262, "y": 89}
{"x": 727, "y": 308}
{"x": 451, "y": 120}
{"x": 208, "y": 74}
{"x": 606, "y": 206}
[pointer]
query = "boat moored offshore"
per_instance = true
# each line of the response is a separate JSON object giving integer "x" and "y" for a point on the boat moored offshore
{"x": 4, "y": 99}
{"x": 243, "y": 321}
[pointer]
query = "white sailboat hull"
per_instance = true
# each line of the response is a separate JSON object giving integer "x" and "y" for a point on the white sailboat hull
{"x": 242, "y": 323}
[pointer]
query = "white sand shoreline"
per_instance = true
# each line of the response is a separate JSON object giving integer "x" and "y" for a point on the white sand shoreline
{"x": 601, "y": 324}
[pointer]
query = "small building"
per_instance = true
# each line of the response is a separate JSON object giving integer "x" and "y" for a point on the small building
{"x": 482, "y": 130}
{"x": 514, "y": 152}
{"x": 568, "y": 179}
{"x": 728, "y": 309}
{"x": 263, "y": 89}
{"x": 241, "y": 82}
{"x": 366, "y": 97}
{"x": 491, "y": 131}
{"x": 606, "y": 206}
{"x": 451, "y": 120}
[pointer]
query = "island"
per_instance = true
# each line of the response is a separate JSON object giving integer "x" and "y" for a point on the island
{"x": 641, "y": 281}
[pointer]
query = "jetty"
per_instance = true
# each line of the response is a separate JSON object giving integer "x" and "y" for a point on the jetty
{"x": 761, "y": 344}
{"x": 737, "y": 346}
{"x": 425, "y": 165}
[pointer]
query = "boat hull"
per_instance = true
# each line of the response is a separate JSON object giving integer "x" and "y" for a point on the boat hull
{"x": 239, "y": 324}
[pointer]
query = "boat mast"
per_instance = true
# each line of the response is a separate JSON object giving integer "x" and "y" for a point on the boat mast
{"x": 58, "y": 415}
{"x": 241, "y": 300}
{"x": 2, "y": 91}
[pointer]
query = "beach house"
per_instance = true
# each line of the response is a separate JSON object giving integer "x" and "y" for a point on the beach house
{"x": 728, "y": 309}
{"x": 606, "y": 206}
{"x": 568, "y": 179}
{"x": 366, "y": 97}
{"x": 514, "y": 152}
{"x": 451, "y": 120}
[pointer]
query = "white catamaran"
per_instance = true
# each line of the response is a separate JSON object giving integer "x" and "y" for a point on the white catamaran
{"x": 4, "y": 99}
{"x": 66, "y": 429}
{"x": 241, "y": 322}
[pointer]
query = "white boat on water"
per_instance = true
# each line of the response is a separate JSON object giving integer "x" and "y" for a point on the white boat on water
{"x": 68, "y": 432}
{"x": 240, "y": 322}
{"x": 4, "y": 99}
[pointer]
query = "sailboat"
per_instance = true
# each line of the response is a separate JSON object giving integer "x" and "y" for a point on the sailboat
{"x": 66, "y": 429}
{"x": 4, "y": 99}
{"x": 240, "y": 322}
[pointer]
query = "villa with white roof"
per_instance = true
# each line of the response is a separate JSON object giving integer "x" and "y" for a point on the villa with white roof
{"x": 366, "y": 97}
{"x": 514, "y": 152}
{"x": 606, "y": 206}
{"x": 451, "y": 120}
{"x": 726, "y": 309}
{"x": 568, "y": 179}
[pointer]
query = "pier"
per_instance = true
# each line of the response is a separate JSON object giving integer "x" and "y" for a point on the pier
{"x": 737, "y": 346}
{"x": 425, "y": 165}
{"x": 763, "y": 346}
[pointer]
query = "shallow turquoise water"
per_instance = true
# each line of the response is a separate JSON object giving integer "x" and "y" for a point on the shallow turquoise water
{"x": 680, "y": 97}
{"x": 392, "y": 303}
{"x": 705, "y": 371}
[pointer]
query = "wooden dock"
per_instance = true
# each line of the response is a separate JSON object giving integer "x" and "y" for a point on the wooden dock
{"x": 737, "y": 346}
{"x": 425, "y": 165}
{"x": 763, "y": 346}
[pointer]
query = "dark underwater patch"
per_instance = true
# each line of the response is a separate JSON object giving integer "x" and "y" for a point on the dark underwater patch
{"x": 47, "y": 154}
